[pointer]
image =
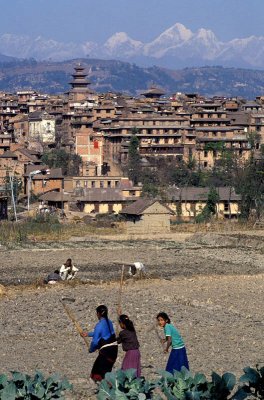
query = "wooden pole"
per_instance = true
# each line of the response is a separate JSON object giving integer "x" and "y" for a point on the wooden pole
{"x": 154, "y": 328}
{"x": 121, "y": 289}
{"x": 75, "y": 322}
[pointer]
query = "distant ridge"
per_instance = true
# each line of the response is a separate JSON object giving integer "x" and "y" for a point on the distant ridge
{"x": 7, "y": 59}
{"x": 118, "y": 76}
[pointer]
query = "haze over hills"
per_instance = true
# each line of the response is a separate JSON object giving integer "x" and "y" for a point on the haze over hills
{"x": 176, "y": 47}
{"x": 119, "y": 76}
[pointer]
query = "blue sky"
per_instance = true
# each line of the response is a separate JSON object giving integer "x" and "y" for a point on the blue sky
{"x": 96, "y": 20}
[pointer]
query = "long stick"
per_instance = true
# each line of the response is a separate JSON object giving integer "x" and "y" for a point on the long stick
{"x": 154, "y": 328}
{"x": 75, "y": 322}
{"x": 121, "y": 287}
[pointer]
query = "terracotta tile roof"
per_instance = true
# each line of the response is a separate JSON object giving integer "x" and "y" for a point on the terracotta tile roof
{"x": 140, "y": 205}
{"x": 101, "y": 195}
{"x": 191, "y": 193}
{"x": 54, "y": 173}
{"x": 55, "y": 196}
{"x": 8, "y": 154}
{"x": 27, "y": 153}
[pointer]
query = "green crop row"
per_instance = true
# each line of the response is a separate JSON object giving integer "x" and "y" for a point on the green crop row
{"x": 22, "y": 386}
{"x": 124, "y": 385}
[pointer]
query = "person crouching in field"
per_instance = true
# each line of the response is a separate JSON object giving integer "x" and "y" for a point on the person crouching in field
{"x": 128, "y": 338}
{"x": 68, "y": 271}
{"x": 53, "y": 278}
{"x": 103, "y": 340}
{"x": 178, "y": 356}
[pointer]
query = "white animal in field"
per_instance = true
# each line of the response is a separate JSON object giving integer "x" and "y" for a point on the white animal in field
{"x": 137, "y": 269}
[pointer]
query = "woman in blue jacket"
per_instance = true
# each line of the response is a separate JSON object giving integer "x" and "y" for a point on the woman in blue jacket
{"x": 103, "y": 340}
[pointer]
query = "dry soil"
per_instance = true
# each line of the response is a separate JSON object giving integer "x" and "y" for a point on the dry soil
{"x": 211, "y": 286}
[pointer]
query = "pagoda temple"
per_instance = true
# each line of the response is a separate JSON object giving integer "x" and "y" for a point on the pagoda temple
{"x": 79, "y": 85}
{"x": 153, "y": 93}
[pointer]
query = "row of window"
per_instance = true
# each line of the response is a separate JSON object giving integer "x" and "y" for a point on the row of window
{"x": 102, "y": 184}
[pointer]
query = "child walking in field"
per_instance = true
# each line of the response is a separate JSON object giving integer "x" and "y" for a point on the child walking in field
{"x": 128, "y": 338}
{"x": 178, "y": 356}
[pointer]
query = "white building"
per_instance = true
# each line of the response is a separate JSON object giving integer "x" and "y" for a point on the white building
{"x": 42, "y": 127}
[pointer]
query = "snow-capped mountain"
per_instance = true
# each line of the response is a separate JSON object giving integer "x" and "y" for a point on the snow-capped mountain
{"x": 176, "y": 47}
{"x": 173, "y": 37}
{"x": 120, "y": 44}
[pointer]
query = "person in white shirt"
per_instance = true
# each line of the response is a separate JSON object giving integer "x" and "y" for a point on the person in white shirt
{"x": 137, "y": 268}
{"x": 68, "y": 271}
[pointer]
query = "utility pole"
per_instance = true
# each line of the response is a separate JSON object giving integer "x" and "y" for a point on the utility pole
{"x": 30, "y": 175}
{"x": 11, "y": 180}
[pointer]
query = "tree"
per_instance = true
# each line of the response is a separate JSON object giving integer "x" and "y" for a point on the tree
{"x": 250, "y": 186}
{"x": 134, "y": 159}
{"x": 250, "y": 180}
{"x": 59, "y": 158}
{"x": 210, "y": 207}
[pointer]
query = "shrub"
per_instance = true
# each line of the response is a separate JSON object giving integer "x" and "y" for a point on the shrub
{"x": 12, "y": 232}
{"x": 124, "y": 385}
{"x": 183, "y": 385}
{"x": 22, "y": 386}
{"x": 253, "y": 383}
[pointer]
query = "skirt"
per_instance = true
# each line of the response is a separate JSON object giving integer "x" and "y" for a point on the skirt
{"x": 132, "y": 360}
{"x": 104, "y": 362}
{"x": 177, "y": 359}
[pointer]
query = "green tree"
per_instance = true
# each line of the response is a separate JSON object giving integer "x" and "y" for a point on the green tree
{"x": 59, "y": 158}
{"x": 250, "y": 180}
{"x": 210, "y": 207}
{"x": 250, "y": 185}
{"x": 134, "y": 159}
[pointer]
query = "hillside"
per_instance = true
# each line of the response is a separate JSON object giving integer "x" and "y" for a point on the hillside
{"x": 118, "y": 76}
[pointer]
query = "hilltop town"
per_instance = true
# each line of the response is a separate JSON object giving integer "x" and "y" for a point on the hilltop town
{"x": 74, "y": 151}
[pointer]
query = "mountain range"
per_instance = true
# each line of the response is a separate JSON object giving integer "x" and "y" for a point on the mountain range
{"x": 176, "y": 47}
{"x": 119, "y": 76}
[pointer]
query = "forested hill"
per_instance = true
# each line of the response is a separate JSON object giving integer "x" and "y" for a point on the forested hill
{"x": 117, "y": 76}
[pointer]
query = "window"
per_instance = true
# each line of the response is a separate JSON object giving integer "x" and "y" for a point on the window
{"x": 205, "y": 164}
{"x": 101, "y": 184}
{"x": 108, "y": 184}
{"x": 205, "y": 153}
{"x": 85, "y": 184}
{"x": 93, "y": 184}
{"x": 226, "y": 206}
{"x": 116, "y": 183}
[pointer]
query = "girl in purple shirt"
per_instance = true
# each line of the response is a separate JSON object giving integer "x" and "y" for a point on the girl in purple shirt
{"x": 128, "y": 338}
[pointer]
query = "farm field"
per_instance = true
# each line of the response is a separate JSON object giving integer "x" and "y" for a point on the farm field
{"x": 210, "y": 284}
